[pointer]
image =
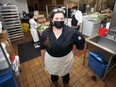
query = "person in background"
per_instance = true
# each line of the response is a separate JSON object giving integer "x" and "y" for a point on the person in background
{"x": 56, "y": 46}
{"x": 33, "y": 28}
{"x": 77, "y": 17}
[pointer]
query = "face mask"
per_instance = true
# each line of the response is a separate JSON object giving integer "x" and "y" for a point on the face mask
{"x": 59, "y": 24}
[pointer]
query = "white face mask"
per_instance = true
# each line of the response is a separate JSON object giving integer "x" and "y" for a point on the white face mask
{"x": 73, "y": 11}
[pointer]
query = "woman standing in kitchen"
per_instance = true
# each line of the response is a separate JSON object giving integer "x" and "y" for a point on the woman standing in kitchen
{"x": 56, "y": 48}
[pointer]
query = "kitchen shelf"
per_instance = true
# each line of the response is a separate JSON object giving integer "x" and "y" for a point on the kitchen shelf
{"x": 11, "y": 22}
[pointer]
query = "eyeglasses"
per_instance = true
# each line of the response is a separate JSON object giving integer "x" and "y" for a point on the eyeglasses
{"x": 58, "y": 9}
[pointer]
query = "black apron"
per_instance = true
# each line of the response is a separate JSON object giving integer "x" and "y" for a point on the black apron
{"x": 74, "y": 22}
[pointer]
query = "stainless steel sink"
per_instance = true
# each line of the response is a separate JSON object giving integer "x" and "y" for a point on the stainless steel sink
{"x": 105, "y": 43}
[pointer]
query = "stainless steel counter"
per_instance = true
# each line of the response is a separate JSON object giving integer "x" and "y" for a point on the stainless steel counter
{"x": 104, "y": 45}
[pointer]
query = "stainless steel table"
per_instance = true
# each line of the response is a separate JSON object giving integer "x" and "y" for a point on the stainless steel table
{"x": 89, "y": 45}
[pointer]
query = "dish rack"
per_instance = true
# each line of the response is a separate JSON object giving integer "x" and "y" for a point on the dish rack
{"x": 11, "y": 22}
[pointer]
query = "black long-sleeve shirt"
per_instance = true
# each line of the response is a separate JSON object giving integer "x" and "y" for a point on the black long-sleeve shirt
{"x": 64, "y": 44}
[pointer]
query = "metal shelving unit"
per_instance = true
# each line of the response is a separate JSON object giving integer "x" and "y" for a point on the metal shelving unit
{"x": 11, "y": 21}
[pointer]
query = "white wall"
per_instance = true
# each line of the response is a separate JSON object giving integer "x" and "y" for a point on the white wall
{"x": 21, "y": 4}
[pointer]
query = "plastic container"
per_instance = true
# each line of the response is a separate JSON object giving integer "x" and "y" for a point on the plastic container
{"x": 15, "y": 64}
{"x": 7, "y": 79}
{"x": 25, "y": 27}
{"x": 3, "y": 62}
{"x": 103, "y": 32}
{"x": 1, "y": 53}
{"x": 96, "y": 63}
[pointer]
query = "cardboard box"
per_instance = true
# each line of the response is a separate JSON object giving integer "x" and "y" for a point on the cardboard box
{"x": 46, "y": 23}
{"x": 40, "y": 16}
{"x": 42, "y": 19}
{"x": 4, "y": 36}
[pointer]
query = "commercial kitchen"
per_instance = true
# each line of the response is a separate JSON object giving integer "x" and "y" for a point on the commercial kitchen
{"x": 21, "y": 61}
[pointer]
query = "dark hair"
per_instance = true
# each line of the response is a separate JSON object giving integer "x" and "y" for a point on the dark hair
{"x": 55, "y": 11}
{"x": 75, "y": 7}
{"x": 31, "y": 14}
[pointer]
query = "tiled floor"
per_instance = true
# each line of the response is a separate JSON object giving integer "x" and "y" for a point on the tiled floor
{"x": 33, "y": 74}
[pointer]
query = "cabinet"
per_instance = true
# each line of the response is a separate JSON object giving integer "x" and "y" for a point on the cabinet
{"x": 11, "y": 21}
{"x": 4, "y": 37}
{"x": 90, "y": 28}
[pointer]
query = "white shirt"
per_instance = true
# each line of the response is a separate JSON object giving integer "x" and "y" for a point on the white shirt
{"x": 33, "y": 24}
{"x": 34, "y": 33}
{"x": 78, "y": 15}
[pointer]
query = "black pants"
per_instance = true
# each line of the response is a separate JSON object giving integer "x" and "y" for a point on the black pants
{"x": 65, "y": 78}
